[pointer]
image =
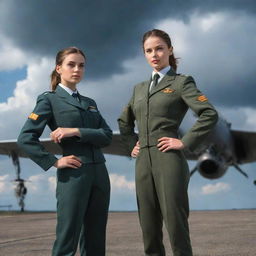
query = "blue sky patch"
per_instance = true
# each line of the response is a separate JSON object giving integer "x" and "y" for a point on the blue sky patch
{"x": 8, "y": 80}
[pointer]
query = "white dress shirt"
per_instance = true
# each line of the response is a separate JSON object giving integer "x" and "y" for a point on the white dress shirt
{"x": 68, "y": 90}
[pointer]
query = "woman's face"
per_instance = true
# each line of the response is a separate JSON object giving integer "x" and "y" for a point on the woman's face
{"x": 71, "y": 70}
{"x": 157, "y": 52}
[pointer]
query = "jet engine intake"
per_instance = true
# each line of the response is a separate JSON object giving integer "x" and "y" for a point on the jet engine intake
{"x": 211, "y": 166}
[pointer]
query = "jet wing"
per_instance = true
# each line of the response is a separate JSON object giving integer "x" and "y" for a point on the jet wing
{"x": 245, "y": 146}
{"x": 8, "y": 146}
{"x": 115, "y": 148}
{"x": 118, "y": 148}
{"x": 191, "y": 155}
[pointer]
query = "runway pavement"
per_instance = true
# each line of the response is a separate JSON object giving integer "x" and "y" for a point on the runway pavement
{"x": 213, "y": 233}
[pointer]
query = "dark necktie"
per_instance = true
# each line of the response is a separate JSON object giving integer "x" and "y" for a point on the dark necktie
{"x": 76, "y": 96}
{"x": 154, "y": 81}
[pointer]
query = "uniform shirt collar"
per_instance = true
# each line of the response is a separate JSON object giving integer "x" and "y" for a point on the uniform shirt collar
{"x": 68, "y": 90}
{"x": 161, "y": 73}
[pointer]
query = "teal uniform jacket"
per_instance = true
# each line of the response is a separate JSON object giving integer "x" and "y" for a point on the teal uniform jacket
{"x": 160, "y": 112}
{"x": 82, "y": 193}
{"x": 59, "y": 109}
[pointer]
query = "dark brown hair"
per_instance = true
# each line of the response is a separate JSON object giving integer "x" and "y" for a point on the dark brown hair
{"x": 166, "y": 38}
{"x": 55, "y": 77}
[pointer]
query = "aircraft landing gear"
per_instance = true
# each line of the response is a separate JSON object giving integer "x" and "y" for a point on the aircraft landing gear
{"x": 20, "y": 193}
{"x": 20, "y": 190}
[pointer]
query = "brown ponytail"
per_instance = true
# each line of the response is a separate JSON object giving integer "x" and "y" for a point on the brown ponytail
{"x": 173, "y": 62}
{"x": 55, "y": 76}
{"x": 55, "y": 80}
{"x": 166, "y": 38}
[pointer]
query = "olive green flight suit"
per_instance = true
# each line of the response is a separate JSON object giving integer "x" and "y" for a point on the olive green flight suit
{"x": 162, "y": 178}
{"x": 83, "y": 193}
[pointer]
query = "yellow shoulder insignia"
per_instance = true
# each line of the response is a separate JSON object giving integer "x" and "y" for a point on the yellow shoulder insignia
{"x": 33, "y": 116}
{"x": 167, "y": 90}
{"x": 202, "y": 98}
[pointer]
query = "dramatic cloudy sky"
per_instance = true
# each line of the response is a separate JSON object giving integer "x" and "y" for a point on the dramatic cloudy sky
{"x": 215, "y": 41}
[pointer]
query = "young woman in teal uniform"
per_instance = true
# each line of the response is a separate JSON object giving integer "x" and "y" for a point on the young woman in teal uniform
{"x": 83, "y": 187}
{"x": 162, "y": 175}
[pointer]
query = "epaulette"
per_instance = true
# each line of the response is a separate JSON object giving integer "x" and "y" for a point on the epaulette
{"x": 47, "y": 92}
{"x": 180, "y": 74}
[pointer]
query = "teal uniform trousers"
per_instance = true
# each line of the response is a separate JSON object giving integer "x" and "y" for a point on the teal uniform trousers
{"x": 162, "y": 177}
{"x": 83, "y": 193}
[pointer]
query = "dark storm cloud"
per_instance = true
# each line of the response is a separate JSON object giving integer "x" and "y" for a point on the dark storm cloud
{"x": 239, "y": 92}
{"x": 109, "y": 30}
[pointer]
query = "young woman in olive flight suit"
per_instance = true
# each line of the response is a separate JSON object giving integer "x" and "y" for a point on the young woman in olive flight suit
{"x": 162, "y": 173}
{"x": 83, "y": 186}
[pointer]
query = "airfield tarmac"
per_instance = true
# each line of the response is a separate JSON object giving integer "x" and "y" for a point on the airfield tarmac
{"x": 213, "y": 233}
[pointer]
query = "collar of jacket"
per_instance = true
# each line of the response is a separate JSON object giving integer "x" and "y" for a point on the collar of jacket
{"x": 165, "y": 82}
{"x": 64, "y": 95}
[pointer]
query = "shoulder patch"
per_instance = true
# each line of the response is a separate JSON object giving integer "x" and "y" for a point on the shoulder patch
{"x": 33, "y": 116}
{"x": 92, "y": 109}
{"x": 202, "y": 98}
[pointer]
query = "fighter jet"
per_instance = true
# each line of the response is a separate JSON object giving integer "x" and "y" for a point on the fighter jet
{"x": 224, "y": 147}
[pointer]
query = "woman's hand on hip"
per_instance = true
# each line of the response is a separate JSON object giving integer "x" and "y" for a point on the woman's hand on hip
{"x": 60, "y": 133}
{"x": 136, "y": 150}
{"x": 68, "y": 161}
{"x": 166, "y": 143}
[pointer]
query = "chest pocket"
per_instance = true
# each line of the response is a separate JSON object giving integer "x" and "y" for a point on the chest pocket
{"x": 167, "y": 91}
{"x": 92, "y": 119}
{"x": 68, "y": 118}
{"x": 165, "y": 102}
{"x": 167, "y": 97}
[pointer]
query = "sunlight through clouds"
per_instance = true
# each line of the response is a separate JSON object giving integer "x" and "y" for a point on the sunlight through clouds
{"x": 216, "y": 47}
{"x": 11, "y": 56}
{"x": 211, "y": 21}
{"x": 120, "y": 182}
{"x": 215, "y": 188}
{"x": 52, "y": 183}
{"x": 3, "y": 181}
{"x": 36, "y": 82}
{"x": 215, "y": 50}
{"x": 36, "y": 183}
{"x": 16, "y": 108}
